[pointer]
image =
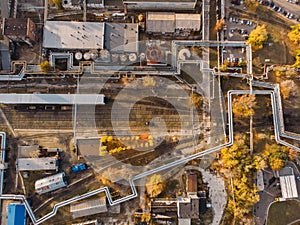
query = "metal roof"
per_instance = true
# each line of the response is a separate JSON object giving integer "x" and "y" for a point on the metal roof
{"x": 50, "y": 183}
{"x": 187, "y": 21}
{"x": 288, "y": 187}
{"x": 160, "y": 22}
{"x": 88, "y": 207}
{"x": 16, "y": 214}
{"x": 54, "y": 99}
{"x": 36, "y": 164}
{"x": 73, "y": 35}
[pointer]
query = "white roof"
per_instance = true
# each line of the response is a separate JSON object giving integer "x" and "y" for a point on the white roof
{"x": 63, "y": 99}
{"x": 73, "y": 35}
{"x": 50, "y": 183}
{"x": 88, "y": 207}
{"x": 288, "y": 186}
{"x": 35, "y": 164}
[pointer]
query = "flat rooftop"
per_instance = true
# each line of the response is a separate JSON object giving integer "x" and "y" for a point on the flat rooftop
{"x": 36, "y": 164}
{"x": 73, "y": 35}
{"x": 121, "y": 37}
{"x": 53, "y": 99}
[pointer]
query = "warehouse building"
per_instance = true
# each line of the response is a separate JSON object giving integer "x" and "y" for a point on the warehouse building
{"x": 170, "y": 22}
{"x": 171, "y": 5}
{"x": 87, "y": 208}
{"x": 20, "y": 30}
{"x": 73, "y": 35}
{"x": 36, "y": 164}
{"x": 16, "y": 214}
{"x": 50, "y": 183}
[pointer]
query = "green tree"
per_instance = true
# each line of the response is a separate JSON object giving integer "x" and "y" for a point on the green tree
{"x": 243, "y": 106}
{"x": 45, "y": 66}
{"x": 257, "y": 37}
{"x": 155, "y": 185}
{"x": 294, "y": 34}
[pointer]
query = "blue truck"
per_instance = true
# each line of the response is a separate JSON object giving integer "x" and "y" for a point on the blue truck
{"x": 79, "y": 167}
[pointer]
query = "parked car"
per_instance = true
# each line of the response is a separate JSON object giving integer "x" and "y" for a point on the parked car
{"x": 79, "y": 167}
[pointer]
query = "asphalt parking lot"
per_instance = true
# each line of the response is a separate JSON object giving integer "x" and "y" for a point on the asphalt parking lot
{"x": 272, "y": 190}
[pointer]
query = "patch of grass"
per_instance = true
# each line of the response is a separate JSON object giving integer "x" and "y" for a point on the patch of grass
{"x": 283, "y": 212}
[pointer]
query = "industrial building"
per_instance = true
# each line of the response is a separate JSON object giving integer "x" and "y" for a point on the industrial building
{"x": 170, "y": 22}
{"x": 171, "y": 5}
{"x": 16, "y": 214}
{"x": 36, "y": 164}
{"x": 73, "y": 35}
{"x": 20, "y": 30}
{"x": 288, "y": 183}
{"x": 121, "y": 37}
{"x": 78, "y": 4}
{"x": 90, "y": 207}
{"x": 50, "y": 183}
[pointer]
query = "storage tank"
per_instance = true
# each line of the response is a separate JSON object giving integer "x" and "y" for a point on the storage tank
{"x": 87, "y": 56}
{"x": 132, "y": 57}
{"x": 78, "y": 55}
{"x": 123, "y": 58}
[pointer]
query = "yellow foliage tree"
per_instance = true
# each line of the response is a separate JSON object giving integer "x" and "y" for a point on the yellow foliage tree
{"x": 45, "y": 66}
{"x": 220, "y": 25}
{"x": 276, "y": 155}
{"x": 58, "y": 3}
{"x": 243, "y": 106}
{"x": 251, "y": 4}
{"x": 257, "y": 37}
{"x": 155, "y": 185}
{"x": 288, "y": 89}
{"x": 149, "y": 81}
{"x": 146, "y": 217}
{"x": 294, "y": 34}
{"x": 297, "y": 57}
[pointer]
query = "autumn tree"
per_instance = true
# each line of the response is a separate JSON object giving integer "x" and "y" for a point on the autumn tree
{"x": 294, "y": 34}
{"x": 238, "y": 164}
{"x": 289, "y": 89}
{"x": 220, "y": 25}
{"x": 149, "y": 81}
{"x": 45, "y": 66}
{"x": 243, "y": 106}
{"x": 197, "y": 100}
{"x": 58, "y": 3}
{"x": 251, "y": 4}
{"x": 257, "y": 37}
{"x": 297, "y": 57}
{"x": 155, "y": 185}
{"x": 276, "y": 155}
